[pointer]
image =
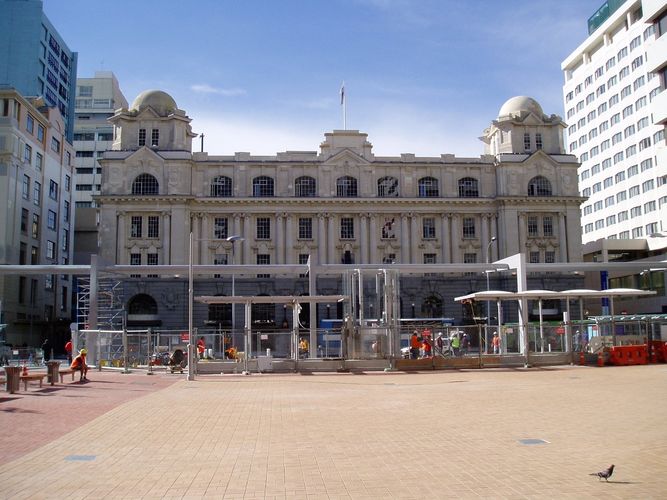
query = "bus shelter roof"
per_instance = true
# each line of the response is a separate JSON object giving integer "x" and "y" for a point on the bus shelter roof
{"x": 269, "y": 299}
{"x": 550, "y": 294}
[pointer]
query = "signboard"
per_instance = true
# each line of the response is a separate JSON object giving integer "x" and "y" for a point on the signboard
{"x": 185, "y": 337}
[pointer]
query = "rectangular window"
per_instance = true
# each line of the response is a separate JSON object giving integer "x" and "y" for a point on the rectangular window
{"x": 429, "y": 258}
{"x": 468, "y": 227}
{"x": 220, "y": 225}
{"x": 136, "y": 229}
{"x": 153, "y": 226}
{"x": 151, "y": 259}
{"x": 526, "y": 142}
{"x": 428, "y": 228}
{"x": 50, "y": 250}
{"x": 538, "y": 140}
{"x": 65, "y": 241}
{"x": 26, "y": 187}
{"x": 621, "y": 196}
{"x": 263, "y": 228}
{"x": 27, "y": 154}
{"x": 305, "y": 228}
{"x": 66, "y": 211}
{"x": 263, "y": 259}
{"x": 347, "y": 228}
{"x": 649, "y": 207}
{"x": 35, "y": 226}
{"x": 548, "y": 225}
{"x": 534, "y": 257}
{"x": 55, "y": 145}
{"x": 611, "y": 220}
{"x": 34, "y": 256}
{"x": 155, "y": 137}
{"x": 142, "y": 137}
{"x": 549, "y": 256}
{"x": 51, "y": 220}
{"x": 39, "y": 161}
{"x": 635, "y": 212}
{"x": 24, "y": 220}
{"x": 637, "y": 232}
{"x": 219, "y": 259}
{"x": 53, "y": 190}
{"x": 532, "y": 225}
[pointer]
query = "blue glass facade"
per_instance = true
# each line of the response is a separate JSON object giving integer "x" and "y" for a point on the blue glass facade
{"x": 34, "y": 59}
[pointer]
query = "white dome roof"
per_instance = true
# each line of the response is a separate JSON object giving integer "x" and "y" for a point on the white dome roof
{"x": 161, "y": 102}
{"x": 519, "y": 104}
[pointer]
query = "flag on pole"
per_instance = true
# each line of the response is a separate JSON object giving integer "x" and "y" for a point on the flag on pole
{"x": 342, "y": 94}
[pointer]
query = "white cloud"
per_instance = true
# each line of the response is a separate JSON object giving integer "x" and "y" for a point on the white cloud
{"x": 208, "y": 89}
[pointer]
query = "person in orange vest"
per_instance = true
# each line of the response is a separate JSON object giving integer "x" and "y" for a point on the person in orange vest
{"x": 496, "y": 343}
{"x": 415, "y": 344}
{"x": 68, "y": 350}
{"x": 201, "y": 347}
{"x": 426, "y": 347}
{"x": 79, "y": 364}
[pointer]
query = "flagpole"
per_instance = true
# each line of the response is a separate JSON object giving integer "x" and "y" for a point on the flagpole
{"x": 344, "y": 104}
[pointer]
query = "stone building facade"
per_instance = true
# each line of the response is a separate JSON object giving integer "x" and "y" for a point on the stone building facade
{"x": 341, "y": 204}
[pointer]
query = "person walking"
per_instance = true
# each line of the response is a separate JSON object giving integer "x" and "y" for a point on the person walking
{"x": 426, "y": 347}
{"x": 46, "y": 350}
{"x": 495, "y": 342}
{"x": 415, "y": 344}
{"x": 455, "y": 343}
{"x": 68, "y": 351}
{"x": 465, "y": 344}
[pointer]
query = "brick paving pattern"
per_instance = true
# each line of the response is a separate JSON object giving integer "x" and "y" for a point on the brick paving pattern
{"x": 446, "y": 434}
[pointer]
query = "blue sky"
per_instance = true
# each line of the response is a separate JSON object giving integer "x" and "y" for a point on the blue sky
{"x": 421, "y": 76}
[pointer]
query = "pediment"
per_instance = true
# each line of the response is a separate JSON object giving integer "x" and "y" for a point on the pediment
{"x": 346, "y": 157}
{"x": 540, "y": 156}
{"x": 144, "y": 154}
{"x": 147, "y": 113}
{"x": 530, "y": 119}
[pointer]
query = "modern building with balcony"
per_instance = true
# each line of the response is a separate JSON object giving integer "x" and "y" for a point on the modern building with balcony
{"x": 96, "y": 100}
{"x": 616, "y": 114}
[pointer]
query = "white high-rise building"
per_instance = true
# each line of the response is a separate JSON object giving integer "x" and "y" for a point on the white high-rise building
{"x": 616, "y": 114}
{"x": 96, "y": 100}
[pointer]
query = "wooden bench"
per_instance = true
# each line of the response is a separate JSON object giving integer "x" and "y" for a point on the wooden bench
{"x": 32, "y": 376}
{"x": 64, "y": 372}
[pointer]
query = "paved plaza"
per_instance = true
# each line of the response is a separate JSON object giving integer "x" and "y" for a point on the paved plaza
{"x": 505, "y": 433}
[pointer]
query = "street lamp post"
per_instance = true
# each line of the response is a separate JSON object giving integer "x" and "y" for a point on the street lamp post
{"x": 233, "y": 239}
{"x": 488, "y": 302}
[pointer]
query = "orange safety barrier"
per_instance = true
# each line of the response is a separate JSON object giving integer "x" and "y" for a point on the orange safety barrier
{"x": 629, "y": 355}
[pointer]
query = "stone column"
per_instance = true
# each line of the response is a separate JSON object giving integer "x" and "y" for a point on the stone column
{"x": 165, "y": 236}
{"x": 373, "y": 259}
{"x": 363, "y": 238}
{"x": 415, "y": 238}
{"x": 321, "y": 239}
{"x": 248, "y": 235}
{"x": 446, "y": 239}
{"x": 522, "y": 232}
{"x": 121, "y": 232}
{"x": 405, "y": 240}
{"x": 456, "y": 239}
{"x": 205, "y": 236}
{"x": 562, "y": 237}
{"x": 485, "y": 238}
{"x": 280, "y": 239}
{"x": 289, "y": 240}
{"x": 331, "y": 239}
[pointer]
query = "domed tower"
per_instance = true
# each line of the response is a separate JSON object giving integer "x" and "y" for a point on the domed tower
{"x": 522, "y": 127}
{"x": 153, "y": 121}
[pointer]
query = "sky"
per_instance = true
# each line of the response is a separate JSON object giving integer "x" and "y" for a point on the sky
{"x": 264, "y": 76}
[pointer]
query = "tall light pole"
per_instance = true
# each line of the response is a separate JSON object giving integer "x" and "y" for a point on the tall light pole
{"x": 233, "y": 239}
{"x": 488, "y": 302}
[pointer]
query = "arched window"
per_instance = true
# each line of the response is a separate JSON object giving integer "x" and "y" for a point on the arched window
{"x": 346, "y": 187}
{"x": 262, "y": 186}
{"x": 539, "y": 186}
{"x": 468, "y": 188}
{"x": 387, "y": 187}
{"x": 305, "y": 187}
{"x": 145, "y": 184}
{"x": 221, "y": 187}
{"x": 220, "y": 314}
{"x": 142, "y": 304}
{"x": 428, "y": 187}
